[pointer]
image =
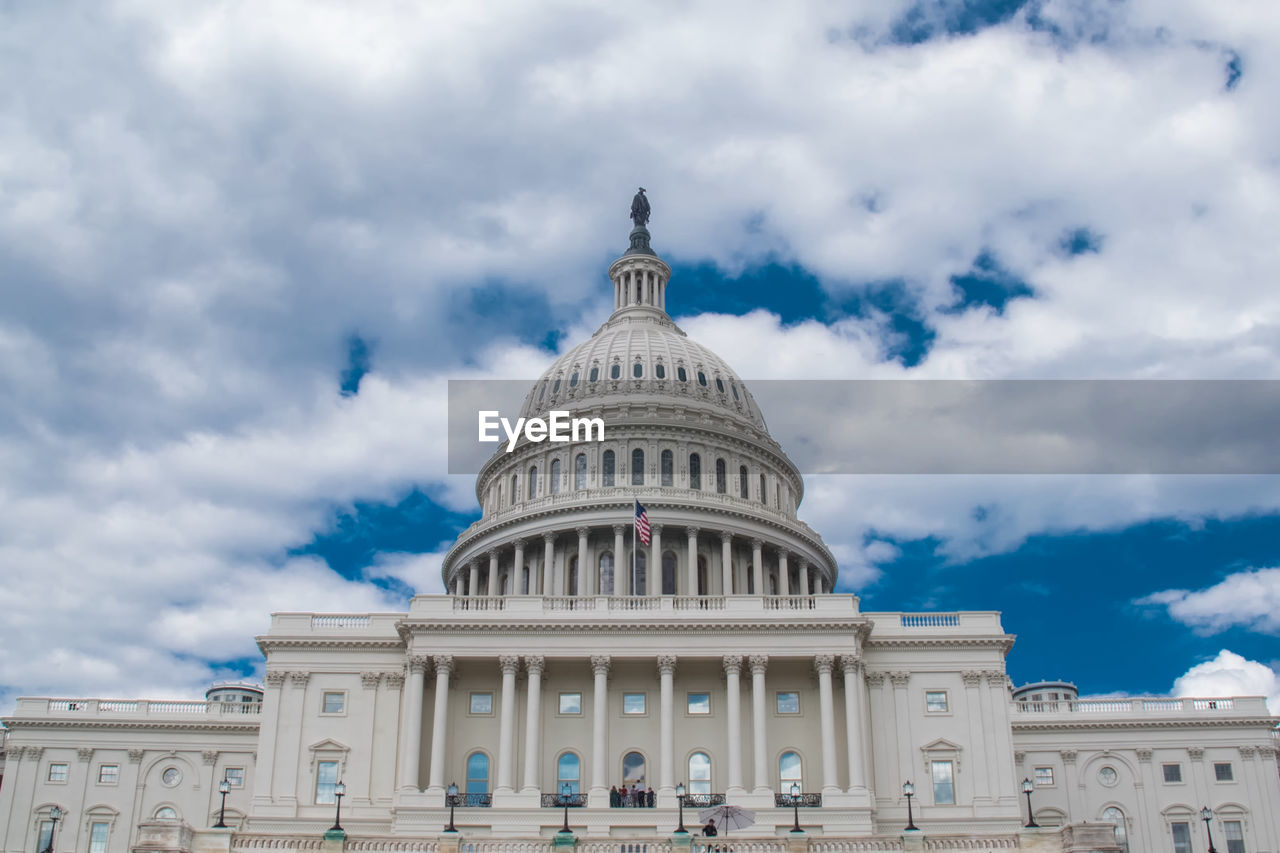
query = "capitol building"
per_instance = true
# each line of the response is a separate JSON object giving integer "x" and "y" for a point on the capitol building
{"x": 568, "y": 660}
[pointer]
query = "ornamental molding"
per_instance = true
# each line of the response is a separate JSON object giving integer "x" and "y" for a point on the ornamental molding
{"x": 395, "y": 678}
{"x": 1068, "y": 755}
{"x": 1003, "y": 643}
{"x": 941, "y": 749}
{"x": 275, "y": 678}
{"x": 600, "y": 665}
{"x": 900, "y": 679}
{"x": 1195, "y": 753}
{"x": 84, "y": 755}
{"x": 851, "y": 664}
{"x": 1248, "y": 751}
{"x": 509, "y": 664}
{"x": 666, "y": 664}
{"x": 758, "y": 663}
{"x": 419, "y": 664}
{"x": 209, "y": 756}
{"x": 535, "y": 664}
{"x": 1137, "y": 723}
{"x": 971, "y": 678}
{"x": 1019, "y": 756}
{"x": 732, "y": 664}
{"x": 1144, "y": 755}
{"x": 824, "y": 664}
{"x": 14, "y": 754}
{"x": 135, "y": 756}
{"x": 632, "y": 626}
{"x": 874, "y": 679}
{"x": 270, "y": 644}
{"x": 369, "y": 680}
{"x": 444, "y": 665}
{"x": 135, "y": 724}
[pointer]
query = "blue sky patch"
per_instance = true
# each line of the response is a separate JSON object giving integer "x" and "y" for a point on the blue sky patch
{"x": 358, "y": 364}
{"x": 1080, "y": 241}
{"x": 987, "y": 283}
{"x": 929, "y": 19}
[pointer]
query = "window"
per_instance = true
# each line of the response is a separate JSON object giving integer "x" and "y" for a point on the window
{"x": 762, "y": 491}
{"x": 580, "y": 471}
{"x": 1181, "y": 837}
{"x": 638, "y": 573}
{"x": 660, "y": 370}
{"x": 632, "y": 768}
{"x": 695, "y": 471}
{"x": 699, "y": 703}
{"x": 702, "y": 576}
{"x": 637, "y": 370}
{"x": 1044, "y": 777}
{"x": 478, "y": 773}
{"x": 594, "y": 374}
{"x": 633, "y": 703}
{"x": 702, "y": 379}
{"x": 514, "y": 490}
{"x": 944, "y": 789}
{"x": 570, "y": 703}
{"x": 1115, "y": 817}
{"x": 555, "y": 476}
{"x": 668, "y": 468}
{"x": 568, "y": 772}
{"x": 334, "y": 702}
{"x": 742, "y": 482}
{"x": 720, "y": 477}
{"x": 533, "y": 482}
{"x": 734, "y": 389}
{"x": 46, "y": 833}
{"x": 719, "y": 384}
{"x": 1222, "y": 771}
{"x": 615, "y": 371}
{"x": 1108, "y": 776}
{"x": 57, "y": 772}
{"x": 108, "y": 774}
{"x": 790, "y": 771}
{"x": 637, "y": 467}
{"x": 606, "y": 573}
{"x": 607, "y": 466}
{"x": 788, "y": 703}
{"x": 555, "y": 389}
{"x": 482, "y": 703}
{"x": 681, "y": 374}
{"x": 1172, "y": 773}
{"x": 1235, "y": 836}
{"x": 326, "y": 779}
{"x": 935, "y": 701}
{"x": 234, "y": 776}
{"x": 573, "y": 380}
{"x": 166, "y": 813}
{"x": 699, "y": 773}
{"x": 98, "y": 837}
{"x": 668, "y": 573}
{"x": 572, "y": 585}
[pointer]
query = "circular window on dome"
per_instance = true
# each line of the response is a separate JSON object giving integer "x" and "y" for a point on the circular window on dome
{"x": 615, "y": 371}
{"x": 660, "y": 370}
{"x": 719, "y": 384}
{"x": 702, "y": 379}
{"x": 1108, "y": 776}
{"x": 573, "y": 380}
{"x": 637, "y": 369}
{"x": 681, "y": 375}
{"x": 594, "y": 374}
{"x": 171, "y": 776}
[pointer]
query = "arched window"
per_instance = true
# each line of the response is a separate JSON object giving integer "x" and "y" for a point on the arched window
{"x": 763, "y": 494}
{"x": 166, "y": 813}
{"x": 681, "y": 374}
{"x": 555, "y": 476}
{"x": 734, "y": 389}
{"x": 699, "y": 773}
{"x": 573, "y": 380}
{"x": 668, "y": 467}
{"x": 555, "y": 389}
{"x": 594, "y": 374}
{"x": 1115, "y": 817}
{"x": 777, "y": 495}
{"x": 668, "y": 573}
{"x": 742, "y": 482}
{"x": 633, "y": 769}
{"x": 533, "y": 482}
{"x": 571, "y": 588}
{"x": 607, "y": 469}
{"x": 615, "y": 371}
{"x": 524, "y": 581}
{"x": 773, "y": 584}
{"x": 637, "y": 369}
{"x": 702, "y": 379}
{"x": 568, "y": 772}
{"x": 637, "y": 467}
{"x": 790, "y": 770}
{"x": 695, "y": 471}
{"x": 580, "y": 471}
{"x": 515, "y": 488}
{"x": 478, "y": 773}
{"x": 638, "y": 584}
{"x": 702, "y": 576}
{"x": 719, "y": 384}
{"x": 606, "y": 573}
{"x": 660, "y": 370}
{"x": 720, "y": 477}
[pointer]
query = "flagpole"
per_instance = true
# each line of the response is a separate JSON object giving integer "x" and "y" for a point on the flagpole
{"x": 633, "y": 546}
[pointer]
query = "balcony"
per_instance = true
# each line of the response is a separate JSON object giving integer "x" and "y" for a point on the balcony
{"x": 804, "y": 801}
{"x": 1152, "y": 707}
{"x": 703, "y": 801}
{"x": 470, "y": 800}
{"x": 556, "y": 801}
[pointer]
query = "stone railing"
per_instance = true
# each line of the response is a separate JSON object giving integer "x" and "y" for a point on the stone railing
{"x": 329, "y": 621}
{"x": 929, "y": 620}
{"x": 135, "y": 708}
{"x": 624, "y": 847}
{"x": 557, "y": 801}
{"x": 736, "y": 844}
{"x": 507, "y": 845}
{"x": 972, "y": 842}
{"x": 703, "y": 801}
{"x": 772, "y": 607}
{"x": 391, "y": 845}
{"x": 853, "y": 845}
{"x": 807, "y": 801}
{"x": 1144, "y": 706}
{"x": 244, "y": 841}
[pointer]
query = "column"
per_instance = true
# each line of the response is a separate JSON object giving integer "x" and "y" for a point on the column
{"x": 902, "y": 713}
{"x": 654, "y": 583}
{"x": 263, "y": 787}
{"x": 784, "y": 573}
{"x": 517, "y": 572}
{"x": 507, "y": 721}
{"x": 973, "y": 709}
{"x": 444, "y": 668}
{"x": 532, "y": 731}
{"x": 726, "y": 561}
{"x": 732, "y": 667}
{"x": 473, "y": 578}
{"x": 758, "y": 720}
{"x": 621, "y": 565}
{"x": 827, "y": 716}
{"x": 854, "y": 714}
{"x": 757, "y": 566}
{"x": 584, "y": 586}
{"x": 667, "y": 744}
{"x": 1148, "y": 818}
{"x": 600, "y": 722}
{"x": 493, "y": 572}
{"x": 1071, "y": 779}
{"x": 999, "y": 736}
{"x": 804, "y": 576}
{"x": 692, "y": 572}
{"x": 412, "y": 723}
{"x": 885, "y": 781}
{"x": 548, "y": 563}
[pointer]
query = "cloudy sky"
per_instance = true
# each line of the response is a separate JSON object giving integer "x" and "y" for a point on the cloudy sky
{"x": 244, "y": 245}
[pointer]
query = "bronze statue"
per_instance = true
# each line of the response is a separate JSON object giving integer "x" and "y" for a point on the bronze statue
{"x": 640, "y": 209}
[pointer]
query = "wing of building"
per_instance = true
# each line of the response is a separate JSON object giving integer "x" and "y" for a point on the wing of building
{"x": 574, "y": 676}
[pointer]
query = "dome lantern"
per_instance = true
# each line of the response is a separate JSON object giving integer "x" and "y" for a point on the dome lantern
{"x": 640, "y": 277}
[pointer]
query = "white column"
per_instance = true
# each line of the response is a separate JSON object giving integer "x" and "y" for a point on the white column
{"x": 804, "y": 576}
{"x": 532, "y": 730}
{"x": 517, "y": 572}
{"x": 827, "y": 716}
{"x": 726, "y": 561}
{"x": 621, "y": 565}
{"x": 667, "y": 745}
{"x": 654, "y": 582}
{"x": 902, "y": 714}
{"x": 732, "y": 667}
{"x": 854, "y": 714}
{"x": 493, "y": 571}
{"x": 412, "y": 724}
{"x": 584, "y": 586}
{"x": 548, "y": 563}
{"x": 757, "y": 565}
{"x": 439, "y": 729}
{"x": 691, "y": 573}
{"x": 759, "y": 721}
{"x": 784, "y": 574}
{"x": 473, "y": 579}
{"x": 977, "y": 740}
{"x": 507, "y": 722}
{"x": 600, "y": 723}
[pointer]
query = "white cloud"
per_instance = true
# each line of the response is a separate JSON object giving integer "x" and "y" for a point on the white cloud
{"x": 1230, "y": 674}
{"x": 1248, "y": 599}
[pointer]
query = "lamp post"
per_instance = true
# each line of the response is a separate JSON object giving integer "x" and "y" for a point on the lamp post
{"x": 55, "y": 815}
{"x": 224, "y": 788}
{"x": 795, "y": 807}
{"x": 680, "y": 797}
{"x": 451, "y": 795}
{"x": 1206, "y": 815}
{"x": 339, "y": 791}
{"x": 1027, "y": 787}
{"x": 909, "y": 791}
{"x": 566, "y": 791}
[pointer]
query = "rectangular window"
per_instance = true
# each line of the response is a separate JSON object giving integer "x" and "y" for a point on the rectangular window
{"x": 570, "y": 703}
{"x": 1172, "y": 772}
{"x": 699, "y": 703}
{"x": 1235, "y": 836}
{"x": 98, "y": 837}
{"x": 482, "y": 703}
{"x": 1044, "y": 777}
{"x": 1222, "y": 772}
{"x": 944, "y": 789}
{"x": 633, "y": 703}
{"x": 57, "y": 772}
{"x": 1181, "y": 837}
{"x": 788, "y": 703}
{"x": 935, "y": 701}
{"x": 108, "y": 774}
{"x": 334, "y": 702}
{"x": 46, "y": 832}
{"x": 235, "y": 777}
{"x": 326, "y": 779}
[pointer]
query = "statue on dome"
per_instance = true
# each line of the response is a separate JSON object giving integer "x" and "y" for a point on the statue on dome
{"x": 640, "y": 209}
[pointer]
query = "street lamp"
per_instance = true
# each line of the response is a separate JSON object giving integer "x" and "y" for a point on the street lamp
{"x": 1027, "y": 787}
{"x": 339, "y": 791}
{"x": 451, "y": 794}
{"x": 1206, "y": 815}
{"x": 795, "y": 807}
{"x": 680, "y": 797}
{"x": 55, "y": 815}
{"x": 909, "y": 791}
{"x": 566, "y": 791}
{"x": 224, "y": 788}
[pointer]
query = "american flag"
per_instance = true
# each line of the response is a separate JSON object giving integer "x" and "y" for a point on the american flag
{"x": 642, "y": 524}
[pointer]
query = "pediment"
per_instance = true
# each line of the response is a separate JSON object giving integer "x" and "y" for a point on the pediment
{"x": 328, "y": 745}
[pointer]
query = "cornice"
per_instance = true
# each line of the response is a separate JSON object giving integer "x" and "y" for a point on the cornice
{"x": 246, "y": 726}
{"x": 412, "y": 626}
{"x": 268, "y": 643}
{"x": 1139, "y": 723}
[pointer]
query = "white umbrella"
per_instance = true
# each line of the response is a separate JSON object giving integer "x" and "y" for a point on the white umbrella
{"x": 727, "y": 817}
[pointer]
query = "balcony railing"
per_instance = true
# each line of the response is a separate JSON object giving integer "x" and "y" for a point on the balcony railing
{"x": 703, "y": 801}
{"x": 805, "y": 801}
{"x": 1139, "y": 705}
{"x": 469, "y": 800}
{"x": 556, "y": 801}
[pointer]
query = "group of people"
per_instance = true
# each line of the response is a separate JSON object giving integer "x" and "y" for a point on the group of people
{"x": 637, "y": 796}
